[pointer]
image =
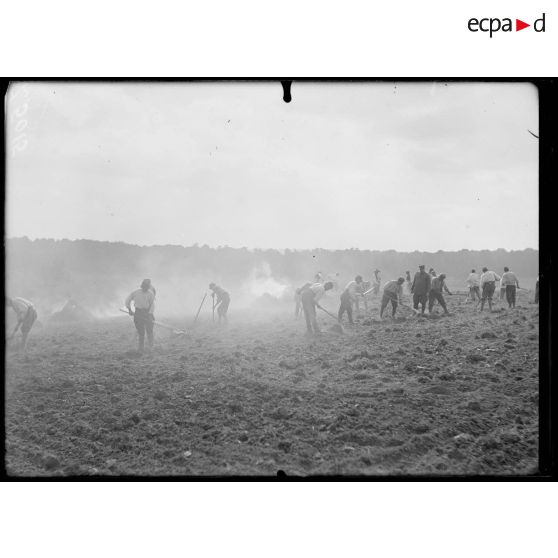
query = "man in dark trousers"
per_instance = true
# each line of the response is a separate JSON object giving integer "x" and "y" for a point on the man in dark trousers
{"x": 298, "y": 299}
{"x": 144, "y": 305}
{"x": 436, "y": 293}
{"x": 421, "y": 288}
{"x": 349, "y": 296}
{"x": 488, "y": 282}
{"x": 393, "y": 292}
{"x": 510, "y": 283}
{"x": 310, "y": 297}
{"x": 222, "y": 302}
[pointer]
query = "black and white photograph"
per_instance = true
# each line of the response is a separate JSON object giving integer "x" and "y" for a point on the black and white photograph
{"x": 244, "y": 278}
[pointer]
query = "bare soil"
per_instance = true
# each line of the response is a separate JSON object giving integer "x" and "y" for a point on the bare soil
{"x": 420, "y": 396}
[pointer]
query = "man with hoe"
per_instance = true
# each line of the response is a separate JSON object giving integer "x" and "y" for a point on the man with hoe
{"x": 393, "y": 292}
{"x": 221, "y": 303}
{"x": 436, "y": 293}
{"x": 349, "y": 296}
{"x": 310, "y": 296}
{"x": 144, "y": 305}
{"x": 26, "y": 316}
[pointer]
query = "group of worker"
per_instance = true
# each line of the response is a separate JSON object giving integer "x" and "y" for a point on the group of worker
{"x": 144, "y": 309}
{"x": 425, "y": 287}
{"x": 487, "y": 284}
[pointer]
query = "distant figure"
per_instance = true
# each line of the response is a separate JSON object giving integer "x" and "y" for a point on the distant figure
{"x": 26, "y": 316}
{"x": 537, "y": 291}
{"x": 318, "y": 278}
{"x": 436, "y": 293}
{"x": 510, "y": 283}
{"x": 432, "y": 272}
{"x": 408, "y": 283}
{"x": 377, "y": 282}
{"x": 473, "y": 281}
{"x": 298, "y": 299}
{"x": 222, "y": 302}
{"x": 144, "y": 305}
{"x": 488, "y": 285}
{"x": 393, "y": 292}
{"x": 362, "y": 289}
{"x": 310, "y": 297}
{"x": 502, "y": 289}
{"x": 348, "y": 298}
{"x": 420, "y": 288}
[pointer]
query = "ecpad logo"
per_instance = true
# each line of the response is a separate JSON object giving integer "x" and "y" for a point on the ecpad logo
{"x": 493, "y": 25}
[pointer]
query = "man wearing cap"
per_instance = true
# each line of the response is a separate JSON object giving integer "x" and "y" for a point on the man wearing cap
{"x": 421, "y": 288}
{"x": 144, "y": 306}
{"x": 393, "y": 291}
{"x": 26, "y": 316}
{"x": 349, "y": 297}
{"x": 310, "y": 297}
{"x": 510, "y": 282}
{"x": 488, "y": 286}
{"x": 436, "y": 293}
{"x": 222, "y": 302}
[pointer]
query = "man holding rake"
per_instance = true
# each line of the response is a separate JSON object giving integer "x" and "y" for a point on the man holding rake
{"x": 393, "y": 292}
{"x": 144, "y": 303}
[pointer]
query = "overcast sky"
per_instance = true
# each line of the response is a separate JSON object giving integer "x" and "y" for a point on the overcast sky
{"x": 403, "y": 166}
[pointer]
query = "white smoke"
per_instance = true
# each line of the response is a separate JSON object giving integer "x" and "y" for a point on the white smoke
{"x": 261, "y": 282}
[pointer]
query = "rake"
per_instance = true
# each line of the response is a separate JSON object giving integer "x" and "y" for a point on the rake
{"x": 160, "y": 324}
{"x": 409, "y": 308}
{"x": 333, "y": 316}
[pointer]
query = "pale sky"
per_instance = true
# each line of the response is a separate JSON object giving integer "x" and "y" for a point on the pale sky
{"x": 403, "y": 166}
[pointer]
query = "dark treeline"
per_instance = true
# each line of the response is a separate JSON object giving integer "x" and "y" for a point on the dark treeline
{"x": 100, "y": 273}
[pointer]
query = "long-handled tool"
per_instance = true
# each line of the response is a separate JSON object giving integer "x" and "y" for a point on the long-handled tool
{"x": 327, "y": 312}
{"x": 213, "y": 295}
{"x": 334, "y": 317}
{"x": 160, "y": 324}
{"x": 199, "y": 309}
{"x": 409, "y": 308}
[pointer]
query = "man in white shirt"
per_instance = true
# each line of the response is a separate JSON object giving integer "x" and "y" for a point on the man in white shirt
{"x": 298, "y": 299}
{"x": 349, "y": 297}
{"x": 393, "y": 292}
{"x": 488, "y": 285}
{"x": 473, "y": 282}
{"x": 509, "y": 282}
{"x": 144, "y": 304}
{"x": 310, "y": 296}
{"x": 26, "y": 316}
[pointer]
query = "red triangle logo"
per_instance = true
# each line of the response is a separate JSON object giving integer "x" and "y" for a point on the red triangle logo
{"x": 519, "y": 25}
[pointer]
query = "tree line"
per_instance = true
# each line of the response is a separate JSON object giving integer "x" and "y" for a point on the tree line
{"x": 97, "y": 272}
